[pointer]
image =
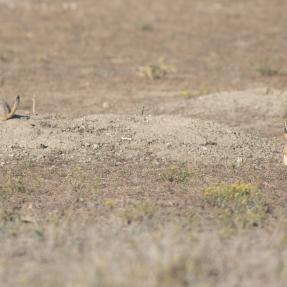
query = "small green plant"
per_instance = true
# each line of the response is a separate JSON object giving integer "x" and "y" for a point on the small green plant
{"x": 147, "y": 27}
{"x": 187, "y": 94}
{"x": 110, "y": 203}
{"x": 39, "y": 234}
{"x": 13, "y": 185}
{"x": 239, "y": 204}
{"x": 79, "y": 179}
{"x": 157, "y": 70}
{"x": 25, "y": 183}
{"x": 267, "y": 71}
{"x": 177, "y": 174}
{"x": 138, "y": 212}
{"x": 8, "y": 215}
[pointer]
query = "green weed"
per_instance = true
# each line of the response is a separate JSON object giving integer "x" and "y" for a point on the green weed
{"x": 110, "y": 203}
{"x": 138, "y": 212}
{"x": 177, "y": 174}
{"x": 147, "y": 27}
{"x": 267, "y": 71}
{"x": 13, "y": 184}
{"x": 239, "y": 204}
{"x": 187, "y": 94}
{"x": 157, "y": 70}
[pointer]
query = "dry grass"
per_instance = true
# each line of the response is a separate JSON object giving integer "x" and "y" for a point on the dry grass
{"x": 110, "y": 252}
{"x": 140, "y": 242}
{"x": 148, "y": 222}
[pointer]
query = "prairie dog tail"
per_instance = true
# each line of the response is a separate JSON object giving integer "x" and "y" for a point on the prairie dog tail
{"x": 13, "y": 110}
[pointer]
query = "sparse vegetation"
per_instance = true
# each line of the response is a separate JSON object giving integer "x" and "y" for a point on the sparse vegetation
{"x": 177, "y": 173}
{"x": 138, "y": 212}
{"x": 147, "y": 27}
{"x": 157, "y": 70}
{"x": 7, "y": 216}
{"x": 110, "y": 203}
{"x": 185, "y": 93}
{"x": 190, "y": 93}
{"x": 267, "y": 71}
{"x": 13, "y": 184}
{"x": 239, "y": 204}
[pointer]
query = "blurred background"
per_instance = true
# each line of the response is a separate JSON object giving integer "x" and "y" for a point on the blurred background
{"x": 96, "y": 56}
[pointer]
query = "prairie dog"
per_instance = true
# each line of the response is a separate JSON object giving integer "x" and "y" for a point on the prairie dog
{"x": 6, "y": 112}
{"x": 285, "y": 147}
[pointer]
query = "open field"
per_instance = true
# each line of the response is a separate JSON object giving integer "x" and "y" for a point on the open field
{"x": 155, "y": 156}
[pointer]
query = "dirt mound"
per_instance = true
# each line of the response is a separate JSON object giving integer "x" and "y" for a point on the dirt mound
{"x": 259, "y": 110}
{"x": 119, "y": 137}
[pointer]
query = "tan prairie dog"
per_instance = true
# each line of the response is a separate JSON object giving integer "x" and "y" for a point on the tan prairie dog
{"x": 6, "y": 112}
{"x": 285, "y": 147}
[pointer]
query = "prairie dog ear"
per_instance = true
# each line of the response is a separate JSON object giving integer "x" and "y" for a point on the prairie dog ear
{"x": 285, "y": 131}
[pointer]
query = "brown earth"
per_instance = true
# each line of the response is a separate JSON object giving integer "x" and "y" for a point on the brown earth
{"x": 108, "y": 184}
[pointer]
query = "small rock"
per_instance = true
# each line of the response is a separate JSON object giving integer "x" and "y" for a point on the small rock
{"x": 43, "y": 146}
{"x": 105, "y": 105}
{"x": 239, "y": 161}
{"x": 95, "y": 146}
{"x": 126, "y": 139}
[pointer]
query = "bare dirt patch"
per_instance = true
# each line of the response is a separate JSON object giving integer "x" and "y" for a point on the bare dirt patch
{"x": 259, "y": 111}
